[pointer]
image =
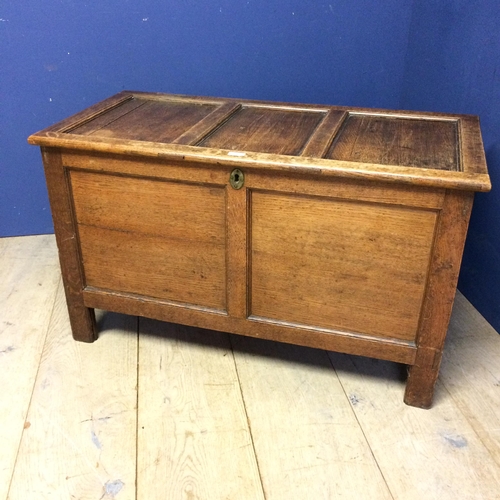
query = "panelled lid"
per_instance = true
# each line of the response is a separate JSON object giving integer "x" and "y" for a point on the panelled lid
{"x": 411, "y": 147}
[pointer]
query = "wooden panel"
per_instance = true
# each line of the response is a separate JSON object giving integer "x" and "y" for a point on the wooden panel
{"x": 397, "y": 141}
{"x": 358, "y": 267}
{"x": 265, "y": 130}
{"x": 155, "y": 121}
{"x": 160, "y": 239}
{"x": 80, "y": 433}
{"x": 167, "y": 268}
{"x": 171, "y": 209}
{"x": 106, "y": 118}
{"x": 194, "y": 440}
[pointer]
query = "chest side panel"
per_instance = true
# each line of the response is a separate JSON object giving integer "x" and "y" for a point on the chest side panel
{"x": 155, "y": 238}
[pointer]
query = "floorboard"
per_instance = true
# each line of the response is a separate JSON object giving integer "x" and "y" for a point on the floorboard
{"x": 29, "y": 276}
{"x": 307, "y": 439}
{"x": 79, "y": 437}
{"x": 193, "y": 439}
{"x": 471, "y": 372}
{"x": 421, "y": 453}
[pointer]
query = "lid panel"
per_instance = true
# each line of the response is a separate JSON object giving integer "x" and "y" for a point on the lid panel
{"x": 147, "y": 120}
{"x": 265, "y": 130}
{"x": 407, "y": 147}
{"x": 103, "y": 119}
{"x": 397, "y": 141}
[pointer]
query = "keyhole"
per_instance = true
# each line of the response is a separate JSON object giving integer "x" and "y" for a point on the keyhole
{"x": 237, "y": 179}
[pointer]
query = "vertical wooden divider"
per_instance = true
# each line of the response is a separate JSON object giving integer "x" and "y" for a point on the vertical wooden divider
{"x": 236, "y": 251}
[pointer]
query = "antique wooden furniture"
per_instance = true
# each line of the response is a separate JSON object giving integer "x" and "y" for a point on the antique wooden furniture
{"x": 330, "y": 227}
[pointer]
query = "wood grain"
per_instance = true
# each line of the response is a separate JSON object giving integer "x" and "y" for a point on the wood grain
{"x": 237, "y": 250}
{"x": 471, "y": 142}
{"x": 444, "y": 269}
{"x": 153, "y": 121}
{"x": 105, "y": 119}
{"x": 395, "y": 141}
{"x": 208, "y": 124}
{"x": 193, "y": 440}
{"x": 30, "y": 276}
{"x": 174, "y": 210}
{"x": 152, "y": 266}
{"x": 345, "y": 189}
{"x": 148, "y": 168}
{"x": 321, "y": 139}
{"x": 158, "y": 239}
{"x": 82, "y": 318}
{"x": 202, "y": 317}
{"x": 328, "y": 263}
{"x": 79, "y": 434}
{"x": 266, "y": 130}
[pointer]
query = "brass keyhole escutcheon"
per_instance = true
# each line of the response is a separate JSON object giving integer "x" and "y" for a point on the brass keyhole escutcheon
{"x": 236, "y": 179}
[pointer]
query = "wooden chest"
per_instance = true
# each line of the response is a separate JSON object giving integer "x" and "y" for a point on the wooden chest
{"x": 330, "y": 227}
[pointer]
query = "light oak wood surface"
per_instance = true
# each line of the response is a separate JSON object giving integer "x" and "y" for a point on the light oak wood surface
{"x": 315, "y": 261}
{"x": 227, "y": 417}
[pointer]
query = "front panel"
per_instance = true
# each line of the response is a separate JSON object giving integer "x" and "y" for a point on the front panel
{"x": 339, "y": 264}
{"x": 155, "y": 238}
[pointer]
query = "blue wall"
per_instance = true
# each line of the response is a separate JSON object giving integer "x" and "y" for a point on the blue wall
{"x": 453, "y": 65}
{"x": 59, "y": 56}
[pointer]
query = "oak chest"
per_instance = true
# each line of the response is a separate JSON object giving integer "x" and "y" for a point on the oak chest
{"x": 330, "y": 227}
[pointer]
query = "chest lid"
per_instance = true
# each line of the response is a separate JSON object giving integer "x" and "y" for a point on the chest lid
{"x": 411, "y": 147}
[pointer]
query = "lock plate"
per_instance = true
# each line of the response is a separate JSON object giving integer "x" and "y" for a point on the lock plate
{"x": 236, "y": 179}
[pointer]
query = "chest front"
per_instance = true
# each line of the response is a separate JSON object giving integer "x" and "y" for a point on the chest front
{"x": 328, "y": 227}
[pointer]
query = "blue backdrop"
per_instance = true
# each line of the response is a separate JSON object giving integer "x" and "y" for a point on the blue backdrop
{"x": 453, "y": 65}
{"x": 59, "y": 56}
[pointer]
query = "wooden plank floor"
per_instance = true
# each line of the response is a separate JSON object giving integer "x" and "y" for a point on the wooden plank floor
{"x": 160, "y": 411}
